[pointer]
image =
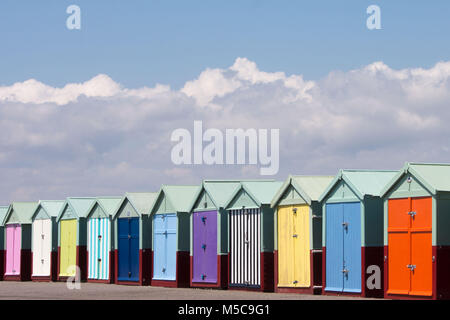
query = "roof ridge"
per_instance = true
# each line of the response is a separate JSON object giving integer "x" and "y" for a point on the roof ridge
{"x": 428, "y": 164}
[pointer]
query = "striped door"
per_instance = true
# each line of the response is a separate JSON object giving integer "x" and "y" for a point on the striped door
{"x": 245, "y": 247}
{"x": 13, "y": 246}
{"x": 128, "y": 250}
{"x": 68, "y": 254}
{"x": 98, "y": 247}
{"x": 42, "y": 246}
{"x": 204, "y": 247}
{"x": 164, "y": 246}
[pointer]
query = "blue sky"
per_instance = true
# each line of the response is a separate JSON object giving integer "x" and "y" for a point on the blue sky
{"x": 142, "y": 42}
{"x": 92, "y": 112}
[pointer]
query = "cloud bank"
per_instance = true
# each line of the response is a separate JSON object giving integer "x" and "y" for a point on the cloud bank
{"x": 99, "y": 138}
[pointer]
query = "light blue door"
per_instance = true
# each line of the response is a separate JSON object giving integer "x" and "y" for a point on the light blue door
{"x": 352, "y": 247}
{"x": 334, "y": 247}
{"x": 164, "y": 246}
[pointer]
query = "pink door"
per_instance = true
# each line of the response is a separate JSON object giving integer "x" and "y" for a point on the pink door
{"x": 13, "y": 239}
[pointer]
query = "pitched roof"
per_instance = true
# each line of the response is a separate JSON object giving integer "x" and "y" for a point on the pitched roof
{"x": 310, "y": 188}
{"x": 108, "y": 204}
{"x": 218, "y": 190}
{"x": 261, "y": 191}
{"x": 180, "y": 197}
{"x": 434, "y": 176}
{"x": 362, "y": 182}
{"x": 51, "y": 207}
{"x": 142, "y": 202}
{"x": 3, "y": 212}
{"x": 23, "y": 210}
{"x": 80, "y": 206}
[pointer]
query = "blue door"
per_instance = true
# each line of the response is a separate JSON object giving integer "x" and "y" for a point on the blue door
{"x": 128, "y": 264}
{"x": 352, "y": 247}
{"x": 334, "y": 247}
{"x": 164, "y": 246}
{"x": 343, "y": 247}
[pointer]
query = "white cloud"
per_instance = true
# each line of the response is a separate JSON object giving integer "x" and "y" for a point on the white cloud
{"x": 99, "y": 138}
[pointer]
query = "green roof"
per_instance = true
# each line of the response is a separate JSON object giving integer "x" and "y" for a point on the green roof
{"x": 261, "y": 191}
{"x": 310, "y": 188}
{"x": 141, "y": 201}
{"x": 80, "y": 206}
{"x": 109, "y": 204}
{"x": 52, "y": 207}
{"x": 3, "y": 212}
{"x": 180, "y": 197}
{"x": 221, "y": 191}
{"x": 23, "y": 211}
{"x": 434, "y": 176}
{"x": 362, "y": 182}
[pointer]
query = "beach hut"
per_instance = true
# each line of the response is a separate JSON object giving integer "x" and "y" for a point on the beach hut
{"x": 298, "y": 234}
{"x": 100, "y": 242}
{"x": 209, "y": 234}
{"x": 251, "y": 236}
{"x": 72, "y": 237}
{"x": 417, "y": 232}
{"x": 352, "y": 236}
{"x": 44, "y": 246}
{"x": 170, "y": 245}
{"x": 132, "y": 238}
{"x": 3, "y": 211}
{"x": 18, "y": 241}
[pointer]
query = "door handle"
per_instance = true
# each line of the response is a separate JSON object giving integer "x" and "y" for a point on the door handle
{"x": 42, "y": 260}
{"x": 99, "y": 260}
{"x": 203, "y": 219}
{"x": 345, "y": 225}
{"x": 411, "y": 267}
{"x": 295, "y": 236}
{"x": 412, "y": 213}
{"x": 163, "y": 269}
{"x": 129, "y": 236}
{"x": 295, "y": 282}
{"x": 42, "y": 236}
{"x": 345, "y": 271}
{"x": 203, "y": 276}
{"x": 204, "y": 246}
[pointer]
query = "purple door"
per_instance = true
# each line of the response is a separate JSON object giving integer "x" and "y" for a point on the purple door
{"x": 205, "y": 247}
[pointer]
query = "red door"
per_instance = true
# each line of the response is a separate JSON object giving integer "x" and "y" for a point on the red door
{"x": 410, "y": 246}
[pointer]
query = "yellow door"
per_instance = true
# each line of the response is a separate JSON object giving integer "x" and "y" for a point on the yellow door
{"x": 68, "y": 258}
{"x": 293, "y": 246}
{"x": 285, "y": 277}
{"x": 301, "y": 261}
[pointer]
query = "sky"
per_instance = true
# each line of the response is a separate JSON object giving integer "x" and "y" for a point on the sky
{"x": 90, "y": 112}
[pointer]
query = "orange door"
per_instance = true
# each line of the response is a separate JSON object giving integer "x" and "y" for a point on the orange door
{"x": 399, "y": 253}
{"x": 410, "y": 246}
{"x": 421, "y": 247}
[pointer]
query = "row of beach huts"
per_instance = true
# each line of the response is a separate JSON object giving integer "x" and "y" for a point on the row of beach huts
{"x": 363, "y": 233}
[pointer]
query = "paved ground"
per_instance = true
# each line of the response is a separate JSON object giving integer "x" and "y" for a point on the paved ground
{"x": 93, "y": 291}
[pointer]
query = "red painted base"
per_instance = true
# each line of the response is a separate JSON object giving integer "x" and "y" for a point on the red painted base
{"x": 81, "y": 262}
{"x": 369, "y": 256}
{"x": 316, "y": 276}
{"x": 222, "y": 274}
{"x": 267, "y": 274}
{"x": 182, "y": 273}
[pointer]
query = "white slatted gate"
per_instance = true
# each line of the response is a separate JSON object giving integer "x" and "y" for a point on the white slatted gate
{"x": 42, "y": 246}
{"x": 245, "y": 247}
